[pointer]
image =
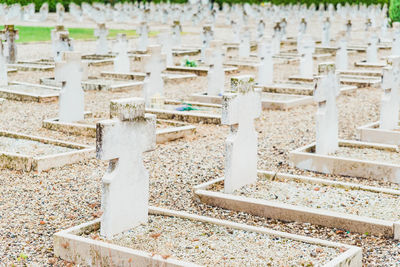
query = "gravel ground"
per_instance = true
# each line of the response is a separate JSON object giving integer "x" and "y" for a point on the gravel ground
{"x": 358, "y": 202}
{"x": 213, "y": 245}
{"x": 368, "y": 154}
{"x": 35, "y": 206}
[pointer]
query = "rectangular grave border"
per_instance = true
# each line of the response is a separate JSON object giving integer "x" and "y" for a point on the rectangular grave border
{"x": 357, "y": 81}
{"x": 139, "y": 76}
{"x": 25, "y": 96}
{"x": 177, "y": 131}
{"x": 371, "y": 133}
{"x": 199, "y": 71}
{"x": 69, "y": 245}
{"x": 304, "y": 158}
{"x": 298, "y": 88}
{"x": 298, "y": 100}
{"x": 26, "y": 66}
{"x": 41, "y": 163}
{"x": 187, "y": 116}
{"x": 290, "y": 212}
{"x": 365, "y": 64}
{"x": 95, "y": 84}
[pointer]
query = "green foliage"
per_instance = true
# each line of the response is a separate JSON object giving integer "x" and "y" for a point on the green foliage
{"x": 394, "y": 10}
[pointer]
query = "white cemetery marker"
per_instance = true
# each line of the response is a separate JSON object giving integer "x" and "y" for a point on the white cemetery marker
{"x": 207, "y": 36}
{"x": 341, "y": 54}
{"x": 176, "y": 33}
{"x": 69, "y": 72}
{"x": 244, "y": 46}
{"x": 326, "y": 25}
{"x": 165, "y": 41}
{"x": 325, "y": 93}
{"x": 3, "y": 66}
{"x": 303, "y": 26}
{"x": 122, "y": 140}
{"x": 44, "y": 11}
{"x": 101, "y": 33}
{"x": 396, "y": 39}
{"x": 260, "y": 29}
{"x": 306, "y": 61}
{"x": 372, "y": 49}
{"x": 389, "y": 116}
{"x": 121, "y": 61}
{"x": 236, "y": 31}
{"x": 266, "y": 67}
{"x": 60, "y": 10}
{"x": 216, "y": 75}
{"x": 10, "y": 35}
{"x": 239, "y": 110}
{"x": 155, "y": 65}
{"x": 61, "y": 42}
{"x": 283, "y": 24}
{"x": 143, "y": 41}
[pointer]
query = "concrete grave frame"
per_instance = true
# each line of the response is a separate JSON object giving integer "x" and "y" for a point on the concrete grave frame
{"x": 304, "y": 158}
{"x": 199, "y": 71}
{"x": 94, "y": 84}
{"x": 41, "y": 163}
{"x": 26, "y": 66}
{"x": 365, "y": 64}
{"x": 50, "y": 94}
{"x": 292, "y": 101}
{"x": 176, "y": 131}
{"x": 71, "y": 246}
{"x": 289, "y": 212}
{"x": 139, "y": 76}
{"x": 350, "y": 80}
{"x": 11, "y": 70}
{"x": 187, "y": 116}
{"x": 371, "y": 133}
{"x": 305, "y": 89}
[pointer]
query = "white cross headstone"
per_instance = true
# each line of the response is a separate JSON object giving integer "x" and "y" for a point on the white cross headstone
{"x": 239, "y": 110}
{"x": 3, "y": 66}
{"x": 176, "y": 33}
{"x": 396, "y": 39}
{"x": 306, "y": 61}
{"x": 121, "y": 61}
{"x": 44, "y": 11}
{"x": 60, "y": 10}
{"x": 61, "y": 42}
{"x": 260, "y": 29}
{"x": 155, "y": 65}
{"x": 266, "y": 67}
{"x": 164, "y": 39}
{"x": 326, "y": 25}
{"x": 303, "y": 26}
{"x": 143, "y": 40}
{"x": 390, "y": 103}
{"x": 236, "y": 31}
{"x": 349, "y": 26}
{"x": 244, "y": 46}
{"x": 372, "y": 49}
{"x": 216, "y": 75}
{"x": 341, "y": 54}
{"x": 122, "y": 141}
{"x": 207, "y": 36}
{"x": 10, "y": 35}
{"x": 325, "y": 93}
{"x": 69, "y": 71}
{"x": 101, "y": 33}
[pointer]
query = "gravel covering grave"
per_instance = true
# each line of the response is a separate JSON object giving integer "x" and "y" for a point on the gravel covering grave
{"x": 214, "y": 245}
{"x": 35, "y": 206}
{"x": 368, "y": 154}
{"x": 30, "y": 147}
{"x": 358, "y": 202}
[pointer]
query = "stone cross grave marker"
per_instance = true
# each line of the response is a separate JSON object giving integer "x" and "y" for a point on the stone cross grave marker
{"x": 326, "y": 90}
{"x": 60, "y": 10}
{"x": 307, "y": 49}
{"x": 155, "y": 65}
{"x": 326, "y": 26}
{"x": 121, "y": 61}
{"x": 239, "y": 110}
{"x": 216, "y": 75}
{"x": 44, "y": 12}
{"x": 10, "y": 35}
{"x": 176, "y": 33}
{"x": 349, "y": 26}
{"x": 236, "y": 31}
{"x": 207, "y": 36}
{"x": 122, "y": 141}
{"x": 101, "y": 33}
{"x": 143, "y": 40}
{"x": 69, "y": 71}
{"x": 164, "y": 39}
{"x": 260, "y": 29}
{"x": 303, "y": 26}
{"x": 61, "y": 42}
{"x": 266, "y": 66}
{"x": 3, "y": 66}
{"x": 390, "y": 102}
{"x": 372, "y": 49}
{"x": 244, "y": 46}
{"x": 396, "y": 39}
{"x": 341, "y": 53}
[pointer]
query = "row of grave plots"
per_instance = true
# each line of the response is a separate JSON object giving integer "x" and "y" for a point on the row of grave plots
{"x": 252, "y": 195}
